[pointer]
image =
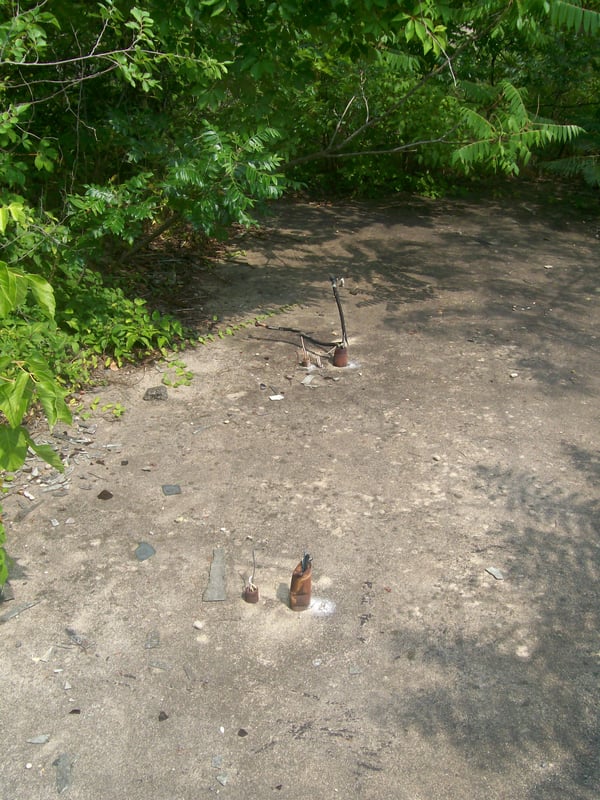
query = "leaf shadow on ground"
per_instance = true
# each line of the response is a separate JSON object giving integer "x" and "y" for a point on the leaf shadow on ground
{"x": 525, "y": 687}
{"x": 396, "y": 254}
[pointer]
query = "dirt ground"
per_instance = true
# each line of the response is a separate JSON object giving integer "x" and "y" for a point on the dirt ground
{"x": 462, "y": 438}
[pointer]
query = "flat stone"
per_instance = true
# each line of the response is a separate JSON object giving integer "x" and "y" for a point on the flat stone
{"x": 64, "y": 765}
{"x": 152, "y": 640}
{"x": 495, "y": 573}
{"x": 156, "y": 393}
{"x": 216, "y": 589}
{"x": 43, "y": 738}
{"x": 144, "y": 551}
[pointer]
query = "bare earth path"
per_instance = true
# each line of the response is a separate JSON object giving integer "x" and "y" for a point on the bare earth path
{"x": 464, "y": 437}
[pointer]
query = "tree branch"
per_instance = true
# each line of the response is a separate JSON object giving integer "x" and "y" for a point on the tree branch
{"x": 338, "y": 151}
{"x": 374, "y": 152}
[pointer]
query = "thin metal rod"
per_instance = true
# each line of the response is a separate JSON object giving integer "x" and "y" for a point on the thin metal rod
{"x": 336, "y": 294}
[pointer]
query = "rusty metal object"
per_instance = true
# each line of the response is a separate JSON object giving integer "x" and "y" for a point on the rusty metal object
{"x": 251, "y": 593}
{"x": 340, "y": 356}
{"x": 301, "y": 585}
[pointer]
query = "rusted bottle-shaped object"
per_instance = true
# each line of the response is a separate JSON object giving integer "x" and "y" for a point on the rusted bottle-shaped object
{"x": 301, "y": 585}
{"x": 340, "y": 356}
{"x": 251, "y": 593}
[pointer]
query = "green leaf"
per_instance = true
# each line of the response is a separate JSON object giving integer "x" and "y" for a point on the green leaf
{"x": 3, "y": 563}
{"x": 15, "y": 397}
{"x": 573, "y": 17}
{"x": 13, "y": 289}
{"x": 13, "y": 447}
{"x": 49, "y": 455}
{"x": 8, "y": 290}
{"x": 52, "y": 398}
{"x": 43, "y": 293}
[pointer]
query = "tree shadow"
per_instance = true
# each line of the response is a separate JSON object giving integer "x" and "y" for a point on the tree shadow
{"x": 398, "y": 254}
{"x": 522, "y": 691}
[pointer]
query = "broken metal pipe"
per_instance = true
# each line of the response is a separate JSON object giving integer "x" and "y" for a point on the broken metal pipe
{"x": 340, "y": 355}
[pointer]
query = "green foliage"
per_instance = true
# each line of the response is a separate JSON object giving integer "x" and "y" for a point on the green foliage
{"x": 195, "y": 113}
{"x": 176, "y": 373}
{"x": 103, "y": 323}
{"x": 574, "y": 18}
{"x": 25, "y": 382}
{"x": 506, "y": 135}
{"x": 85, "y": 320}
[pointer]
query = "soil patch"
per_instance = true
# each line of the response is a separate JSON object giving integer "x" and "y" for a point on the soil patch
{"x": 445, "y": 485}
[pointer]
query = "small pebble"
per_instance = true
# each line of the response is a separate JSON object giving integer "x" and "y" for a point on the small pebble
{"x": 152, "y": 640}
{"x": 156, "y": 393}
{"x": 144, "y": 551}
{"x": 43, "y": 738}
{"x": 495, "y": 573}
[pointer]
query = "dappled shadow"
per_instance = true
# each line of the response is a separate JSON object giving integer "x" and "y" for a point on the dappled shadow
{"x": 586, "y": 461}
{"x": 529, "y": 686}
{"x": 529, "y": 267}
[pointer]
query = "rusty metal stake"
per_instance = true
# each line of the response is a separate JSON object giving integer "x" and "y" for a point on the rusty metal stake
{"x": 251, "y": 589}
{"x": 340, "y": 355}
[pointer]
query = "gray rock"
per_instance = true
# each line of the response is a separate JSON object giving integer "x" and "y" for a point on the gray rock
{"x": 64, "y": 767}
{"x": 216, "y": 589}
{"x": 156, "y": 393}
{"x": 144, "y": 551}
